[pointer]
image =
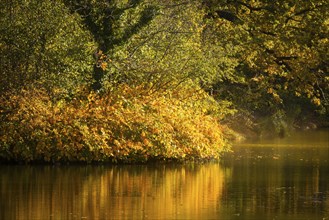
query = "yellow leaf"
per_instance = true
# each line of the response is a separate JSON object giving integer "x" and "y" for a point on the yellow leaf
{"x": 103, "y": 65}
{"x": 316, "y": 101}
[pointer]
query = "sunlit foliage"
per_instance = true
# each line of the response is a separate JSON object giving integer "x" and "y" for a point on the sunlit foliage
{"x": 119, "y": 126}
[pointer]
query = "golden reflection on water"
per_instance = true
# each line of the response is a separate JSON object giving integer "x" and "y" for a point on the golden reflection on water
{"x": 122, "y": 192}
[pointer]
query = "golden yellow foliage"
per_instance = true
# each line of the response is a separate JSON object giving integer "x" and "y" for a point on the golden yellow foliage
{"x": 117, "y": 126}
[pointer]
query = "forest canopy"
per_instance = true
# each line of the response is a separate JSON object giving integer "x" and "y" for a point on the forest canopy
{"x": 252, "y": 67}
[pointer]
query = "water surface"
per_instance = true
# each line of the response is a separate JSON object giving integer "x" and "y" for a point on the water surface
{"x": 269, "y": 179}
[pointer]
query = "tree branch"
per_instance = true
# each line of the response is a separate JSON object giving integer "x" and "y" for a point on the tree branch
{"x": 229, "y": 16}
{"x": 304, "y": 11}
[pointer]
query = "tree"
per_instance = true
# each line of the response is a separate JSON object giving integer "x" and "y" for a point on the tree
{"x": 102, "y": 19}
{"x": 41, "y": 42}
{"x": 165, "y": 53}
{"x": 283, "y": 54}
{"x": 158, "y": 43}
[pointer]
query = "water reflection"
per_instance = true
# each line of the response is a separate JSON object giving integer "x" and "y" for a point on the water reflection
{"x": 277, "y": 189}
{"x": 273, "y": 180}
{"x": 110, "y": 192}
{"x": 280, "y": 178}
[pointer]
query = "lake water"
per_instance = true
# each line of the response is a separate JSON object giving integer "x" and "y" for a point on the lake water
{"x": 284, "y": 179}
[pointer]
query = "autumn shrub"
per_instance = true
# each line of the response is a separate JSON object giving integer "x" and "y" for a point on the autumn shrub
{"x": 125, "y": 125}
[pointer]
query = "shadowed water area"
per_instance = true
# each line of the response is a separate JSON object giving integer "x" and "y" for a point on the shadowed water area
{"x": 269, "y": 179}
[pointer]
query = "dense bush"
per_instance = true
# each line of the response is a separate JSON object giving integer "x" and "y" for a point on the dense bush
{"x": 127, "y": 125}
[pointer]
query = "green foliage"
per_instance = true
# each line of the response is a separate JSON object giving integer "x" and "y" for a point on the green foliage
{"x": 107, "y": 22}
{"x": 158, "y": 42}
{"x": 279, "y": 52}
{"x": 41, "y": 42}
{"x": 164, "y": 53}
{"x": 118, "y": 126}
